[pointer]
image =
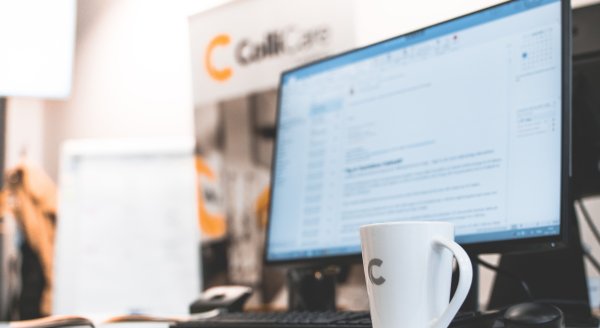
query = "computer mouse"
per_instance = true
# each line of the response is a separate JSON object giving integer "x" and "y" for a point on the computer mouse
{"x": 528, "y": 315}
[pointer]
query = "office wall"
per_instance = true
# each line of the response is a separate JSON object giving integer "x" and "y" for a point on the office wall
{"x": 25, "y": 128}
{"x": 132, "y": 70}
{"x": 132, "y": 76}
{"x": 131, "y": 79}
{"x": 132, "y": 73}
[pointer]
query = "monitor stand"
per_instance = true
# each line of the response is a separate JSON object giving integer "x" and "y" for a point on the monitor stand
{"x": 312, "y": 288}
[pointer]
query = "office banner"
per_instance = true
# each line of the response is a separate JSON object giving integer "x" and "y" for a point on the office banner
{"x": 238, "y": 52}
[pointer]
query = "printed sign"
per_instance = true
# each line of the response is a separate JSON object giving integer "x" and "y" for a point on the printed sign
{"x": 238, "y": 53}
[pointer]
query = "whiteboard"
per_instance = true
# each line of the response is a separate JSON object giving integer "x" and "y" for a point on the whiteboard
{"x": 128, "y": 236}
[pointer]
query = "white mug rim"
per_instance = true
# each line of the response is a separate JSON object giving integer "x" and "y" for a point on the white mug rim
{"x": 398, "y": 223}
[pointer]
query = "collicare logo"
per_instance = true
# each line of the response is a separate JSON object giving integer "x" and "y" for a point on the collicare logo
{"x": 274, "y": 43}
{"x": 375, "y": 280}
{"x": 217, "y": 74}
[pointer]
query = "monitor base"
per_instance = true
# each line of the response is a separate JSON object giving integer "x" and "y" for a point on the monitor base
{"x": 312, "y": 289}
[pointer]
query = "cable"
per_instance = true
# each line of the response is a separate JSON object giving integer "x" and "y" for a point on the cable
{"x": 595, "y": 232}
{"x": 509, "y": 274}
{"x": 588, "y": 219}
{"x": 591, "y": 258}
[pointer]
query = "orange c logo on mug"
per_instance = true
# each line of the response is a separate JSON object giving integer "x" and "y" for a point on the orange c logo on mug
{"x": 222, "y": 74}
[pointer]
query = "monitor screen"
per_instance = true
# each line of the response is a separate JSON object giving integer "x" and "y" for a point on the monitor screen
{"x": 459, "y": 122}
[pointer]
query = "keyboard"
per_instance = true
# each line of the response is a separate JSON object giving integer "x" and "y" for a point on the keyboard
{"x": 315, "y": 320}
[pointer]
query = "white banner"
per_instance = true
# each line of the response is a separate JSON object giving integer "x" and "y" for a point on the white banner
{"x": 238, "y": 53}
{"x": 243, "y": 46}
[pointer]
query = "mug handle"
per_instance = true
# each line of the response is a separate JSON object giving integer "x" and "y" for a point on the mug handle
{"x": 464, "y": 282}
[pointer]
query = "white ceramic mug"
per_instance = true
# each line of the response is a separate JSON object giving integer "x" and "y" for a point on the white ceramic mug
{"x": 408, "y": 270}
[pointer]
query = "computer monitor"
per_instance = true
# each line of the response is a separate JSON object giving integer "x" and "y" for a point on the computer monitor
{"x": 465, "y": 121}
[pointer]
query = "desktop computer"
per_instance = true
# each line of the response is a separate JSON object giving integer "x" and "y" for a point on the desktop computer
{"x": 466, "y": 121}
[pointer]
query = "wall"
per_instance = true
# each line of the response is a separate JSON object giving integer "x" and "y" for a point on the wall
{"x": 131, "y": 74}
{"x": 25, "y": 126}
{"x": 131, "y": 79}
{"x": 132, "y": 70}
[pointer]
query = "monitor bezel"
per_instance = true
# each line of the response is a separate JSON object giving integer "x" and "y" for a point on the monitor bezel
{"x": 500, "y": 246}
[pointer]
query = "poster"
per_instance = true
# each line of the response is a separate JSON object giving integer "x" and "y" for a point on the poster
{"x": 238, "y": 52}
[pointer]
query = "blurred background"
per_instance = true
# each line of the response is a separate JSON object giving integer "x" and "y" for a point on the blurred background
{"x": 137, "y": 165}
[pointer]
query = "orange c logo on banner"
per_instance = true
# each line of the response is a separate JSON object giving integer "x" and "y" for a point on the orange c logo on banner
{"x": 217, "y": 74}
